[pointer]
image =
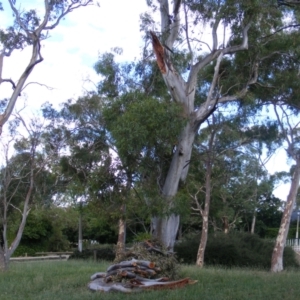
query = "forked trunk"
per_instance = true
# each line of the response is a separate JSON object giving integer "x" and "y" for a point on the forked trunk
{"x": 277, "y": 256}
{"x": 165, "y": 228}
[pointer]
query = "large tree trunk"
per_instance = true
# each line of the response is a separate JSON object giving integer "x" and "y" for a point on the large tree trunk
{"x": 277, "y": 256}
{"x": 165, "y": 228}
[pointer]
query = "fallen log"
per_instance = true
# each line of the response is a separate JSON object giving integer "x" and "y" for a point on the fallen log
{"x": 137, "y": 285}
{"x": 143, "y": 271}
{"x": 98, "y": 275}
{"x": 131, "y": 263}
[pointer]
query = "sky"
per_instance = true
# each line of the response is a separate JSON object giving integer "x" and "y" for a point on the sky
{"x": 73, "y": 48}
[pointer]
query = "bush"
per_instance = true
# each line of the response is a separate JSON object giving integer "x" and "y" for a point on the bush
{"x": 102, "y": 253}
{"x": 236, "y": 249}
{"x": 23, "y": 250}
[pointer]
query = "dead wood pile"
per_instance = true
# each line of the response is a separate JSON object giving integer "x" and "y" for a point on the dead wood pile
{"x": 146, "y": 267}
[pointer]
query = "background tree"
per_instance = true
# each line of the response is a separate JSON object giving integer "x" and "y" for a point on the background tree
{"x": 290, "y": 133}
{"x": 18, "y": 177}
{"x": 90, "y": 171}
{"x": 226, "y": 170}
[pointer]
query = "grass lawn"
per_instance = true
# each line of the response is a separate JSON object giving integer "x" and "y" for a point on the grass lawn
{"x": 67, "y": 280}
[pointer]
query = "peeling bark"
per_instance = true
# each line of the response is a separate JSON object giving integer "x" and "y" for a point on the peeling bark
{"x": 159, "y": 52}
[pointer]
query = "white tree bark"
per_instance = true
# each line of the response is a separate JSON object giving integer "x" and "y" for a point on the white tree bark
{"x": 277, "y": 256}
{"x": 183, "y": 92}
{"x": 6, "y": 250}
{"x": 290, "y": 133}
{"x": 205, "y": 214}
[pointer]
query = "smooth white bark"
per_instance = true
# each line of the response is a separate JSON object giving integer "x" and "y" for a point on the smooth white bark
{"x": 183, "y": 92}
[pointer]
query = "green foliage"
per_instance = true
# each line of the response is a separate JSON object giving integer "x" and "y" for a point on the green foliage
{"x": 271, "y": 233}
{"x": 140, "y": 123}
{"x": 37, "y": 227}
{"x": 142, "y": 236}
{"x": 30, "y": 250}
{"x": 45, "y": 230}
{"x": 234, "y": 250}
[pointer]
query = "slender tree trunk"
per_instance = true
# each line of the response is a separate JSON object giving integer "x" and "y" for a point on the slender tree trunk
{"x": 122, "y": 221}
{"x": 165, "y": 228}
{"x": 121, "y": 239}
{"x": 7, "y": 252}
{"x": 277, "y": 256}
{"x": 225, "y": 224}
{"x": 80, "y": 232}
{"x": 253, "y": 223}
{"x": 204, "y": 232}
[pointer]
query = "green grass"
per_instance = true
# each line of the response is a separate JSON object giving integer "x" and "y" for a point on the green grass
{"x": 66, "y": 280}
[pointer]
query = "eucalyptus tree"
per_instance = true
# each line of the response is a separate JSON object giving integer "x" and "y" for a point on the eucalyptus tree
{"x": 18, "y": 183}
{"x": 86, "y": 167}
{"x": 30, "y": 28}
{"x": 238, "y": 43}
{"x": 289, "y": 126}
{"x": 223, "y": 180}
{"x": 279, "y": 87}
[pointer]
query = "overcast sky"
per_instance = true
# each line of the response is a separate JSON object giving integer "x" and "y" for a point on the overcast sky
{"x": 73, "y": 48}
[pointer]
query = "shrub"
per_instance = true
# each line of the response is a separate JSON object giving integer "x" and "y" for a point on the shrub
{"x": 23, "y": 250}
{"x": 237, "y": 249}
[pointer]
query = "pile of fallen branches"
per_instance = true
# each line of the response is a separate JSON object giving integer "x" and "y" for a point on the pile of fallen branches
{"x": 131, "y": 276}
{"x": 145, "y": 266}
{"x": 153, "y": 251}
